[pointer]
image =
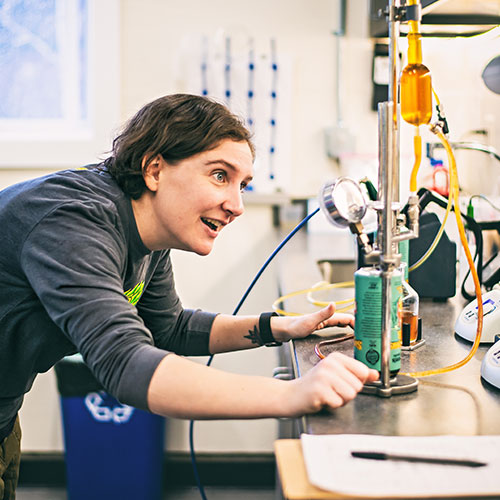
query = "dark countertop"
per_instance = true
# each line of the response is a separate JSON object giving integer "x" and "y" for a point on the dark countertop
{"x": 458, "y": 402}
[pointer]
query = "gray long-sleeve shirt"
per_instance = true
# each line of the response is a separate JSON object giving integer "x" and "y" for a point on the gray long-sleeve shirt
{"x": 75, "y": 276}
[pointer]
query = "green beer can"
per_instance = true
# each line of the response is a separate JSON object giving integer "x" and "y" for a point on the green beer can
{"x": 368, "y": 318}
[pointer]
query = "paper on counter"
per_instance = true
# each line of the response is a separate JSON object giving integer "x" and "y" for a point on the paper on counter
{"x": 331, "y": 467}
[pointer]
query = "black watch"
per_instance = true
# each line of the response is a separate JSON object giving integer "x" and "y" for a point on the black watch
{"x": 266, "y": 333}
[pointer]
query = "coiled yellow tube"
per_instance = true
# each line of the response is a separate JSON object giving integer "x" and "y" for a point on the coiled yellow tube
{"x": 417, "y": 147}
{"x": 315, "y": 288}
{"x": 326, "y": 286}
{"x": 454, "y": 192}
{"x": 437, "y": 238}
{"x": 454, "y": 197}
{"x": 434, "y": 244}
{"x": 413, "y": 187}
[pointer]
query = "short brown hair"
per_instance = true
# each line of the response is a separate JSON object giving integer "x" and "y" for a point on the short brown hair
{"x": 176, "y": 127}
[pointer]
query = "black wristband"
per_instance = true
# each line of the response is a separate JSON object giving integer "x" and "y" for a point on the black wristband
{"x": 266, "y": 333}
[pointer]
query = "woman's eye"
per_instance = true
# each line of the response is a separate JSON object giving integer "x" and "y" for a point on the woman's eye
{"x": 220, "y": 176}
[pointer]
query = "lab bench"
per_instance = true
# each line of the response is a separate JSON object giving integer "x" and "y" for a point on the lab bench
{"x": 457, "y": 402}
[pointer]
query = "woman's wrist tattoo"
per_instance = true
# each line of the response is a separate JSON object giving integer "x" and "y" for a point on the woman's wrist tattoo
{"x": 254, "y": 336}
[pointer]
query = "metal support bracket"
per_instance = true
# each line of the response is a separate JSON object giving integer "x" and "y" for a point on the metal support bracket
{"x": 401, "y": 384}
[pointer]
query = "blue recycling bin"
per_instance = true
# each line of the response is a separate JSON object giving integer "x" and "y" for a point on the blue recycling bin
{"x": 111, "y": 450}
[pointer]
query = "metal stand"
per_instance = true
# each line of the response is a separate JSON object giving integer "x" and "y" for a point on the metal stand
{"x": 351, "y": 209}
{"x": 388, "y": 192}
{"x": 401, "y": 384}
{"x": 415, "y": 345}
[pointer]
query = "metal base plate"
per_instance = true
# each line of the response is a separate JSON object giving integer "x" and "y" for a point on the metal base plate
{"x": 412, "y": 347}
{"x": 401, "y": 384}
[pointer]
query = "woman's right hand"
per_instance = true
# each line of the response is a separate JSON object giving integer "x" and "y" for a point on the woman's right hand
{"x": 330, "y": 384}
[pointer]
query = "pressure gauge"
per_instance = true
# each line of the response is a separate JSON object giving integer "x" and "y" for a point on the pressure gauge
{"x": 343, "y": 202}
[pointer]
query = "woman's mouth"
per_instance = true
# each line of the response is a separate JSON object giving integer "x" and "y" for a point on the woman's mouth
{"x": 213, "y": 224}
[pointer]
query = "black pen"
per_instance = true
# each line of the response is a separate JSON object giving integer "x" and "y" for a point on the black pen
{"x": 375, "y": 455}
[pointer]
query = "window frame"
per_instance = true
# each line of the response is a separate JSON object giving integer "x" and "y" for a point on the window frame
{"x": 54, "y": 144}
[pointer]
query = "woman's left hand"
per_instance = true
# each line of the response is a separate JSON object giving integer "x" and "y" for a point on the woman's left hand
{"x": 285, "y": 328}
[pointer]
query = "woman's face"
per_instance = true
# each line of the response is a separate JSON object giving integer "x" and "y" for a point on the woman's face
{"x": 188, "y": 204}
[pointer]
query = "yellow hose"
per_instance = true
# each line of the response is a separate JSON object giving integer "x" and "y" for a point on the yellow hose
{"x": 454, "y": 192}
{"x": 438, "y": 102}
{"x": 326, "y": 286}
{"x": 417, "y": 146}
{"x": 453, "y": 197}
{"x": 316, "y": 288}
{"x": 437, "y": 238}
{"x": 413, "y": 187}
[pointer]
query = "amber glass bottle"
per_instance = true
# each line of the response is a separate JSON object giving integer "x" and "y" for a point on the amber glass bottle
{"x": 416, "y": 86}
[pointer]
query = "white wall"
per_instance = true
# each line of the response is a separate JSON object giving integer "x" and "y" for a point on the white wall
{"x": 151, "y": 34}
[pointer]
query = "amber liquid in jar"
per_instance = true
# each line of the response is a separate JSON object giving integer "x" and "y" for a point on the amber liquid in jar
{"x": 416, "y": 94}
{"x": 408, "y": 318}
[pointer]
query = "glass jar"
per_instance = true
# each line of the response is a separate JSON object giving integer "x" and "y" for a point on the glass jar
{"x": 409, "y": 310}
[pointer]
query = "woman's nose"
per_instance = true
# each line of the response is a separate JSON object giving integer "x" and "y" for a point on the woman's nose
{"x": 234, "y": 203}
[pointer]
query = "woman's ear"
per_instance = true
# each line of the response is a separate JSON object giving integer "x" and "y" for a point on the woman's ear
{"x": 151, "y": 171}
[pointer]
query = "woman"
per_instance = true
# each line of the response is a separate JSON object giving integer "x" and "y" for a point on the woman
{"x": 85, "y": 267}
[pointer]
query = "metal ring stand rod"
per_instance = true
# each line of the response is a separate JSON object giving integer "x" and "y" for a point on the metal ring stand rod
{"x": 389, "y": 197}
{"x": 387, "y": 257}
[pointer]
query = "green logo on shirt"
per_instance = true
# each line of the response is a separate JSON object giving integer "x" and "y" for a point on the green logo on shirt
{"x": 133, "y": 295}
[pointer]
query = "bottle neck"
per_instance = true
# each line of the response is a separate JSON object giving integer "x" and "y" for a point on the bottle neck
{"x": 414, "y": 48}
{"x": 414, "y": 45}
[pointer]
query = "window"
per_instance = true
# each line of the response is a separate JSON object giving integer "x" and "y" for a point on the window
{"x": 58, "y": 109}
